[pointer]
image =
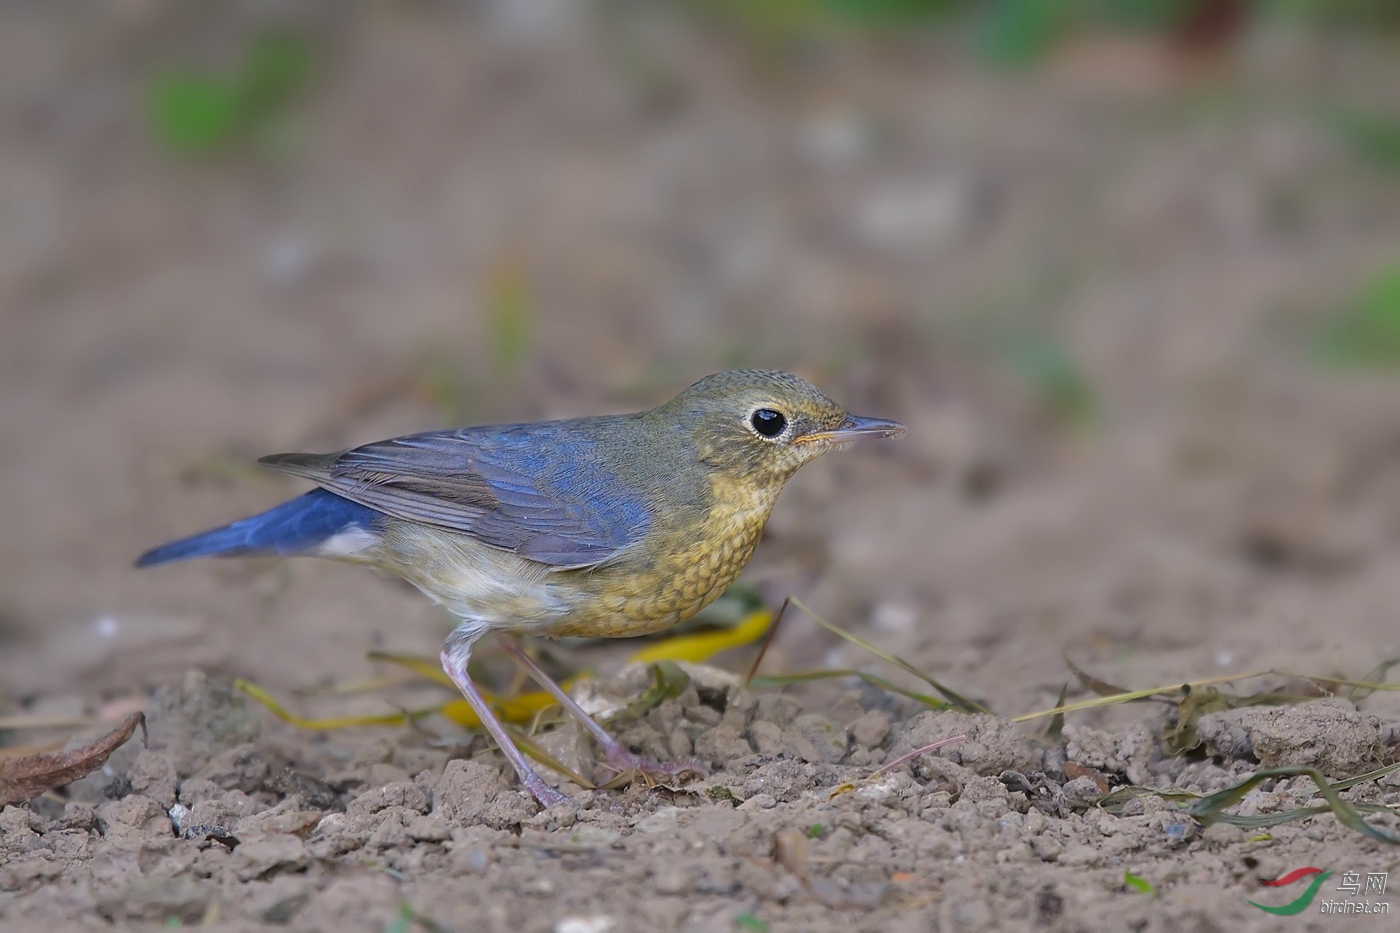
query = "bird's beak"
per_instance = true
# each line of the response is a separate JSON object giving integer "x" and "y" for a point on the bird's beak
{"x": 853, "y": 428}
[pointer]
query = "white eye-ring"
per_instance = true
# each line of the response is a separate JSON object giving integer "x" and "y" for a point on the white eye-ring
{"x": 768, "y": 423}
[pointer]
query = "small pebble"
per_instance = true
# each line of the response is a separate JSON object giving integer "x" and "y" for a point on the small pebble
{"x": 600, "y": 924}
{"x": 759, "y": 802}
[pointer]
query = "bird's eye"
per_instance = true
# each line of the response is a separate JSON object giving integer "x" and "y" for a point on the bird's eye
{"x": 768, "y": 422}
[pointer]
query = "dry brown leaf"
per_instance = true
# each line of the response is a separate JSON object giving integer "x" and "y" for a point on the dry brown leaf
{"x": 1101, "y": 780}
{"x": 790, "y": 851}
{"x": 27, "y": 777}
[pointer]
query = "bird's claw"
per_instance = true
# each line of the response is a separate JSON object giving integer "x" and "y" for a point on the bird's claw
{"x": 544, "y": 795}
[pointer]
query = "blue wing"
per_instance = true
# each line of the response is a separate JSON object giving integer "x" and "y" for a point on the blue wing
{"x": 540, "y": 490}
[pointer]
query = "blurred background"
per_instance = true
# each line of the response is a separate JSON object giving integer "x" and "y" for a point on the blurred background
{"x": 1128, "y": 269}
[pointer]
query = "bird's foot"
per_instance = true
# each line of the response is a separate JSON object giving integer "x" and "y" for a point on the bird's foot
{"x": 621, "y": 761}
{"x": 544, "y": 795}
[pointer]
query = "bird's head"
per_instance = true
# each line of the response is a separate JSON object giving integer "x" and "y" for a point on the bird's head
{"x": 761, "y": 425}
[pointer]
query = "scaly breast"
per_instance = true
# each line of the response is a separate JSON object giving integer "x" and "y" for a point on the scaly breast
{"x": 690, "y": 565}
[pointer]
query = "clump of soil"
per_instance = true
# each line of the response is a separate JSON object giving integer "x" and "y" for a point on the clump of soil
{"x": 220, "y": 820}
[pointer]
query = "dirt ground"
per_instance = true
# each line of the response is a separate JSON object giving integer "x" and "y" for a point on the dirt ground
{"x": 487, "y": 217}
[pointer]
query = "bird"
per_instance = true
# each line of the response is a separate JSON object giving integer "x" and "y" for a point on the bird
{"x": 603, "y": 526}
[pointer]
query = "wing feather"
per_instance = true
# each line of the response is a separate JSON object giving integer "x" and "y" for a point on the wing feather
{"x": 540, "y": 490}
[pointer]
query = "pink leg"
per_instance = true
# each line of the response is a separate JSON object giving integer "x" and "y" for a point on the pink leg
{"x": 454, "y": 661}
{"x": 616, "y": 755}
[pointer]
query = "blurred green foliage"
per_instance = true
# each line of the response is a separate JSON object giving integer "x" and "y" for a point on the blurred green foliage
{"x": 1015, "y": 33}
{"x": 1019, "y": 32}
{"x": 1140, "y": 885}
{"x": 195, "y": 112}
{"x": 1055, "y": 378}
{"x": 1367, "y": 331}
{"x": 747, "y": 921}
{"x": 1374, "y": 137}
{"x": 510, "y": 310}
{"x": 445, "y": 386}
{"x": 891, "y": 12}
{"x": 1359, "y": 13}
{"x": 465, "y": 391}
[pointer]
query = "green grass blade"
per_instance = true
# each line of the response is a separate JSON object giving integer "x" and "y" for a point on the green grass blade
{"x": 1377, "y": 676}
{"x": 1171, "y": 690}
{"x": 1114, "y": 801}
{"x": 1210, "y": 809}
{"x": 1263, "y": 820}
{"x": 668, "y": 682}
{"x": 1368, "y": 685}
{"x": 536, "y": 751}
{"x": 803, "y": 677}
{"x": 1366, "y": 778}
{"x": 957, "y": 700}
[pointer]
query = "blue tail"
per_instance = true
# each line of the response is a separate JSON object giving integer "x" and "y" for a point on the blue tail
{"x": 290, "y": 528}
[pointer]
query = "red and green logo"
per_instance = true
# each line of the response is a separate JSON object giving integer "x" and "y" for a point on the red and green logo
{"x": 1303, "y": 900}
